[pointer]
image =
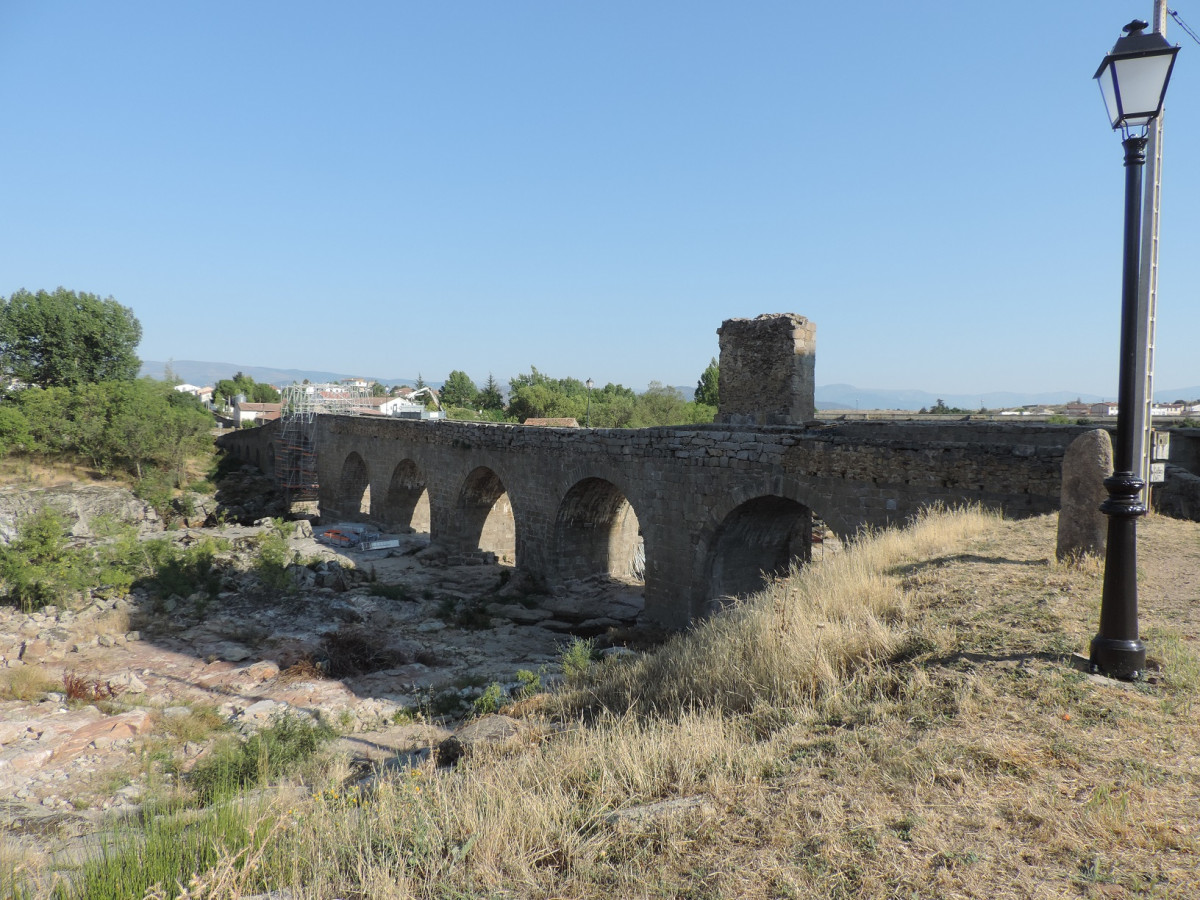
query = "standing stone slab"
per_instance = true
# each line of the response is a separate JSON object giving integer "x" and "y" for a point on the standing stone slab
{"x": 1082, "y": 528}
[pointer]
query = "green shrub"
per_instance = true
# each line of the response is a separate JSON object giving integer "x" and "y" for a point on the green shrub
{"x": 274, "y": 556}
{"x": 530, "y": 682}
{"x": 577, "y": 658}
{"x": 279, "y": 749}
{"x": 155, "y": 489}
{"x": 490, "y": 700}
{"x": 169, "y": 848}
{"x": 38, "y": 568}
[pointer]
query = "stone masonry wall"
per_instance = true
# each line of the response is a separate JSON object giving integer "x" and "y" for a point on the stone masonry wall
{"x": 683, "y": 484}
{"x": 767, "y": 370}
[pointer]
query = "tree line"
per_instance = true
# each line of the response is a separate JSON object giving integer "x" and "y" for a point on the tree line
{"x": 535, "y": 395}
{"x": 70, "y": 389}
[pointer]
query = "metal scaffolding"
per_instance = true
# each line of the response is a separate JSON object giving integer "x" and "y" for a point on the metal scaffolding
{"x": 296, "y": 452}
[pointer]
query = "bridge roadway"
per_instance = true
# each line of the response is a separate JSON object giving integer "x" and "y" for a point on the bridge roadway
{"x": 714, "y": 507}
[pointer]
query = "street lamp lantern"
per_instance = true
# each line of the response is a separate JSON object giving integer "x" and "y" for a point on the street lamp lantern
{"x": 1133, "y": 77}
{"x": 1133, "y": 80}
{"x": 590, "y": 384}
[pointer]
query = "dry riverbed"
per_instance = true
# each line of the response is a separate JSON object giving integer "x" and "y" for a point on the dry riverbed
{"x": 390, "y": 647}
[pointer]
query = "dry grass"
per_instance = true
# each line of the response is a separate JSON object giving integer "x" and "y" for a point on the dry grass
{"x": 898, "y": 721}
{"x": 27, "y": 683}
{"x": 31, "y": 471}
{"x": 798, "y": 640}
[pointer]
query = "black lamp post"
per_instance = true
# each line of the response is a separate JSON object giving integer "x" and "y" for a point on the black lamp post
{"x": 1133, "y": 80}
{"x": 590, "y": 384}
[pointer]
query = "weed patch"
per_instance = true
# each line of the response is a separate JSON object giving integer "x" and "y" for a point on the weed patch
{"x": 277, "y": 750}
{"x": 87, "y": 690}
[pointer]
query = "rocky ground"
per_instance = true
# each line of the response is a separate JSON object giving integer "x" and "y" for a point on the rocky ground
{"x": 389, "y": 646}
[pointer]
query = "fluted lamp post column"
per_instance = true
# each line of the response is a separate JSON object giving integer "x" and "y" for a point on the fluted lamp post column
{"x": 590, "y": 384}
{"x": 1133, "y": 81}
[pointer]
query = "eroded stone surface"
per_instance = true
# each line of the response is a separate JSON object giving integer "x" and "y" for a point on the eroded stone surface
{"x": 1082, "y": 528}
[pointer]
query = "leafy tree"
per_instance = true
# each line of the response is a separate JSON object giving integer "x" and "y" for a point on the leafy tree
{"x": 706, "y": 387}
{"x": 660, "y": 405}
{"x": 459, "y": 390}
{"x": 378, "y": 390}
{"x": 242, "y": 383}
{"x": 14, "y": 429}
{"x": 420, "y": 382}
{"x": 37, "y": 568}
{"x": 114, "y": 425}
{"x": 536, "y": 395}
{"x": 65, "y": 339}
{"x": 489, "y": 396}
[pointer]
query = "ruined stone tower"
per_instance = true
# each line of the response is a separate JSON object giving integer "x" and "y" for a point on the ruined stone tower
{"x": 768, "y": 367}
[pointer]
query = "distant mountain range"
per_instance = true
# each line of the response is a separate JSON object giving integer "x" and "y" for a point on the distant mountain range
{"x": 828, "y": 396}
{"x": 202, "y": 373}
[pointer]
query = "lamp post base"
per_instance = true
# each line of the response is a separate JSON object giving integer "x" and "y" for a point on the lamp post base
{"x": 1117, "y": 658}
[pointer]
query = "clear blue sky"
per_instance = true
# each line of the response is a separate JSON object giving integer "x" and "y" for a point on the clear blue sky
{"x": 387, "y": 188}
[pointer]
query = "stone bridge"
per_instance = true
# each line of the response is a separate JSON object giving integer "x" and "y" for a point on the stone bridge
{"x": 715, "y": 508}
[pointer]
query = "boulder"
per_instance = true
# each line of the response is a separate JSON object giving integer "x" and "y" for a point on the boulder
{"x": 1179, "y": 496}
{"x": 78, "y": 504}
{"x": 490, "y": 729}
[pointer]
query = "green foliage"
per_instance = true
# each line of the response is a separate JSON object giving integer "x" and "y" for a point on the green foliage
{"x": 941, "y": 409}
{"x": 661, "y": 405}
{"x": 14, "y": 430}
{"x": 169, "y": 848}
{"x": 67, "y": 339}
{"x": 38, "y": 568}
{"x": 706, "y": 388}
{"x": 155, "y": 490}
{"x": 530, "y": 682}
{"x": 536, "y": 395}
{"x": 228, "y": 388}
{"x": 576, "y": 658}
{"x": 182, "y": 570}
{"x": 279, "y": 749}
{"x": 490, "y": 700}
{"x": 459, "y": 390}
{"x": 274, "y": 556}
{"x": 123, "y": 426}
{"x": 490, "y": 415}
{"x": 489, "y": 397}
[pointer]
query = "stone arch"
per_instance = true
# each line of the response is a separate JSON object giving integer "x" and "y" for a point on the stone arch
{"x": 407, "y": 500}
{"x": 756, "y": 540}
{"x": 485, "y": 517}
{"x": 354, "y": 488}
{"x": 596, "y": 532}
